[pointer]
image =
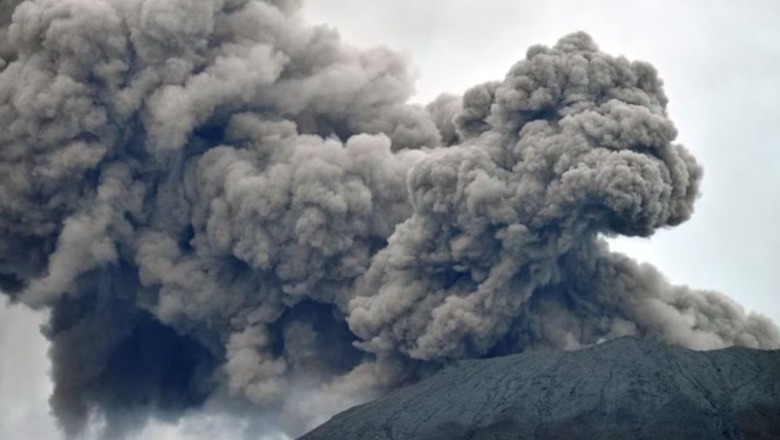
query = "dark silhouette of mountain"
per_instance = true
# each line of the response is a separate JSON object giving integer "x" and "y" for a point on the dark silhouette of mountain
{"x": 628, "y": 388}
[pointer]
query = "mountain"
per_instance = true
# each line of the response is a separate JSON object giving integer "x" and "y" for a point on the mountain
{"x": 628, "y": 388}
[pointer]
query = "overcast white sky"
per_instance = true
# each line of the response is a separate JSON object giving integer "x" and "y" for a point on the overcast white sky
{"x": 719, "y": 61}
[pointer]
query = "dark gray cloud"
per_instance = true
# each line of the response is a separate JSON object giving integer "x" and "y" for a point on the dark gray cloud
{"x": 219, "y": 203}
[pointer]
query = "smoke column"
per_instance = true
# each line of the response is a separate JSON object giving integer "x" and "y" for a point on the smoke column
{"x": 220, "y": 205}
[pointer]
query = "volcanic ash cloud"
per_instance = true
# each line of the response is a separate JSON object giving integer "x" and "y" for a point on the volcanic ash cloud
{"x": 221, "y": 205}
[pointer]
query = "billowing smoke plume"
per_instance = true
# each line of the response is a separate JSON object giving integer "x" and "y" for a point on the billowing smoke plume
{"x": 218, "y": 203}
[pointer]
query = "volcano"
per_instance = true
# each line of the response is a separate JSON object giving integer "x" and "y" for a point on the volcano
{"x": 627, "y": 388}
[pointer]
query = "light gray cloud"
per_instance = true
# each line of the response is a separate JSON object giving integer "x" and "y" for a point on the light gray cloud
{"x": 24, "y": 383}
{"x": 721, "y": 104}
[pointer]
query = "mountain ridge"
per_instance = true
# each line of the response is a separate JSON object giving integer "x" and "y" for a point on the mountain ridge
{"x": 623, "y": 388}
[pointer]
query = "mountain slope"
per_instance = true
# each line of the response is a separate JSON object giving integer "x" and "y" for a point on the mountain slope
{"x": 626, "y": 388}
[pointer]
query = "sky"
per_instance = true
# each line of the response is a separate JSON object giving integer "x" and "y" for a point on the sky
{"x": 718, "y": 62}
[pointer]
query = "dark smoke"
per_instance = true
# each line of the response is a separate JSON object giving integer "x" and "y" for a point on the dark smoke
{"x": 218, "y": 203}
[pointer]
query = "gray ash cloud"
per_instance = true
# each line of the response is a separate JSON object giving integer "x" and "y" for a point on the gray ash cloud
{"x": 220, "y": 203}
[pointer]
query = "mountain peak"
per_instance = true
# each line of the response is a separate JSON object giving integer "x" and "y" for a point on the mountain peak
{"x": 623, "y": 388}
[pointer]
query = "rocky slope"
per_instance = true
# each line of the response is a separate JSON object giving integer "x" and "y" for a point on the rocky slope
{"x": 627, "y": 388}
